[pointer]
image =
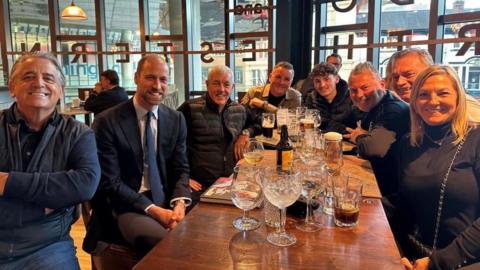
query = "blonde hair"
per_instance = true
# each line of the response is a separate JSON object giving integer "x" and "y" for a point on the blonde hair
{"x": 459, "y": 123}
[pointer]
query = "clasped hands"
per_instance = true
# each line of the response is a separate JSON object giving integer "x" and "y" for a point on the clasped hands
{"x": 168, "y": 218}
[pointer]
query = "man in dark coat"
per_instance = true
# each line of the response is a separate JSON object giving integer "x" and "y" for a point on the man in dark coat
{"x": 142, "y": 152}
{"x": 106, "y": 94}
{"x": 214, "y": 123}
{"x": 334, "y": 104}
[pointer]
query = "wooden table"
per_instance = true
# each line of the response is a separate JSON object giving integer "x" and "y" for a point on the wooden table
{"x": 71, "y": 111}
{"x": 206, "y": 239}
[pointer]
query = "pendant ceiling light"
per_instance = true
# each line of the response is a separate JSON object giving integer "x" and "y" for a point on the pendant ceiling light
{"x": 74, "y": 13}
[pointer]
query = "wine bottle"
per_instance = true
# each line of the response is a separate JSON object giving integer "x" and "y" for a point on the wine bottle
{"x": 284, "y": 151}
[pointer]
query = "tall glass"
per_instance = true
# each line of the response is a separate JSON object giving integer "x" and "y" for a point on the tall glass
{"x": 253, "y": 151}
{"x": 246, "y": 194}
{"x": 268, "y": 123}
{"x": 312, "y": 184}
{"x": 281, "y": 189}
{"x": 348, "y": 194}
{"x": 333, "y": 158}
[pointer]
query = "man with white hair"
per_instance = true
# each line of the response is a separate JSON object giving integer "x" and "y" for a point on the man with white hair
{"x": 214, "y": 122}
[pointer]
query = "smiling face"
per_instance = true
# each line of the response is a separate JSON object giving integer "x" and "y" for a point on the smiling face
{"x": 436, "y": 102}
{"x": 326, "y": 85}
{"x": 280, "y": 80}
{"x": 152, "y": 82}
{"x": 404, "y": 73}
{"x": 366, "y": 91}
{"x": 219, "y": 87}
{"x": 36, "y": 86}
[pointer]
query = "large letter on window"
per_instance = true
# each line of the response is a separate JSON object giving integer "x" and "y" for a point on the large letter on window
{"x": 35, "y": 48}
{"x": 347, "y": 9}
{"x": 403, "y": 2}
{"x": 127, "y": 50}
{"x": 79, "y": 53}
{"x": 208, "y": 51}
{"x": 466, "y": 45}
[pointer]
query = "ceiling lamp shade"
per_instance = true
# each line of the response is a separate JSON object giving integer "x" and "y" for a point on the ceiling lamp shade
{"x": 74, "y": 13}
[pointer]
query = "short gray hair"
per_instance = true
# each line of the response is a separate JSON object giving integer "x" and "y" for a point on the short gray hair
{"x": 422, "y": 54}
{"x": 222, "y": 69}
{"x": 41, "y": 55}
{"x": 365, "y": 66}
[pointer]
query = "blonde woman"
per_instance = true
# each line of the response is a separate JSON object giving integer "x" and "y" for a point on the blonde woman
{"x": 439, "y": 189}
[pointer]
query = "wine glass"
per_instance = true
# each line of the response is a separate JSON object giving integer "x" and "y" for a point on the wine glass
{"x": 253, "y": 151}
{"x": 246, "y": 194}
{"x": 281, "y": 189}
{"x": 312, "y": 184}
{"x": 333, "y": 158}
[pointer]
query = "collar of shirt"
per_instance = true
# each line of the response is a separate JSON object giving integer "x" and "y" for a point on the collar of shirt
{"x": 140, "y": 111}
{"x": 19, "y": 119}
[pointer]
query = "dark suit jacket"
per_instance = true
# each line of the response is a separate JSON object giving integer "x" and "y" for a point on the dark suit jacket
{"x": 121, "y": 159}
{"x": 97, "y": 103}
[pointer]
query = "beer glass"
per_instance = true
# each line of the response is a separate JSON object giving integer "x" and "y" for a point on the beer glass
{"x": 333, "y": 158}
{"x": 312, "y": 185}
{"x": 347, "y": 196}
{"x": 268, "y": 122}
{"x": 246, "y": 194}
{"x": 282, "y": 117}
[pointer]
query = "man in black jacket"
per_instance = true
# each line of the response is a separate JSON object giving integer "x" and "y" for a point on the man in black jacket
{"x": 48, "y": 165}
{"x": 385, "y": 122}
{"x": 333, "y": 103}
{"x": 214, "y": 122}
{"x": 106, "y": 93}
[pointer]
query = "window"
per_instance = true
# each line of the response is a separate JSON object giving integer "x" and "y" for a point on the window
{"x": 122, "y": 29}
{"x": 413, "y": 18}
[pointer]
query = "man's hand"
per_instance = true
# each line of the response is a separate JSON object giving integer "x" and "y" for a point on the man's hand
{"x": 194, "y": 185}
{"x": 239, "y": 144}
{"x": 3, "y": 181}
{"x": 162, "y": 215}
{"x": 354, "y": 133}
{"x": 178, "y": 214}
{"x": 257, "y": 103}
{"x": 97, "y": 88}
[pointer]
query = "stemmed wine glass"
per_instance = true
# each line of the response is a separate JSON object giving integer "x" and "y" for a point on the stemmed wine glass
{"x": 333, "y": 158}
{"x": 312, "y": 184}
{"x": 281, "y": 189}
{"x": 253, "y": 151}
{"x": 246, "y": 194}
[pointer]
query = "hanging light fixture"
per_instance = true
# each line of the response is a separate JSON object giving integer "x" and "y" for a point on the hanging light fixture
{"x": 74, "y": 13}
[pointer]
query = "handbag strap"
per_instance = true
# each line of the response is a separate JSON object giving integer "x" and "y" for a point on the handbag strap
{"x": 442, "y": 193}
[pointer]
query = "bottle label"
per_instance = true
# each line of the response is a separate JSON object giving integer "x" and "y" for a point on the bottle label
{"x": 287, "y": 157}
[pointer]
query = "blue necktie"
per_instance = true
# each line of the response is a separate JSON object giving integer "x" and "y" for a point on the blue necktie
{"x": 156, "y": 187}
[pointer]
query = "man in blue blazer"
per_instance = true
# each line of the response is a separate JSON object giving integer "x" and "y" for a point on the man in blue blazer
{"x": 145, "y": 203}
